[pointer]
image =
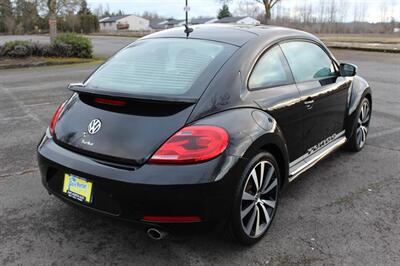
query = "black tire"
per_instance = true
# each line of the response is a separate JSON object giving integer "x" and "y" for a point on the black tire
{"x": 262, "y": 203}
{"x": 361, "y": 126}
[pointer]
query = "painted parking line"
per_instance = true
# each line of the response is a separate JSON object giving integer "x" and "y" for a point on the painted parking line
{"x": 4, "y": 119}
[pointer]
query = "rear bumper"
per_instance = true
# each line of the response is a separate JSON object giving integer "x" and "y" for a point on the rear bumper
{"x": 205, "y": 190}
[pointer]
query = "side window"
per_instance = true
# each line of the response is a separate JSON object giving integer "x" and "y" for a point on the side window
{"x": 308, "y": 61}
{"x": 271, "y": 70}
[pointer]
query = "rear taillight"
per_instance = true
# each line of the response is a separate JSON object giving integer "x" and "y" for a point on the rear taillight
{"x": 55, "y": 118}
{"x": 192, "y": 144}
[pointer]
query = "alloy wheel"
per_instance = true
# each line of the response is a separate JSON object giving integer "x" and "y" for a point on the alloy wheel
{"x": 259, "y": 199}
{"x": 363, "y": 123}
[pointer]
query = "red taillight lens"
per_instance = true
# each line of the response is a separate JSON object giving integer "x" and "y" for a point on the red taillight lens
{"x": 55, "y": 118}
{"x": 110, "y": 101}
{"x": 191, "y": 145}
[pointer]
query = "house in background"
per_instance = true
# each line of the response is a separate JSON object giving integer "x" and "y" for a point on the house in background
{"x": 172, "y": 23}
{"x": 239, "y": 20}
{"x": 166, "y": 23}
{"x": 197, "y": 21}
{"x": 158, "y": 24}
{"x": 126, "y": 22}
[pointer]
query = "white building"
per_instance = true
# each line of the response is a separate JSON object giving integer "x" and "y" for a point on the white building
{"x": 127, "y": 22}
{"x": 166, "y": 24}
{"x": 197, "y": 21}
{"x": 239, "y": 20}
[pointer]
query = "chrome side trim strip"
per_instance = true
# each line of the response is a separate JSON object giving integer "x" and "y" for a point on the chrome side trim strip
{"x": 304, "y": 156}
{"x": 301, "y": 167}
{"x": 298, "y": 160}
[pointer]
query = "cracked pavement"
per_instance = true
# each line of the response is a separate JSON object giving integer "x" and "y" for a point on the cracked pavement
{"x": 346, "y": 210}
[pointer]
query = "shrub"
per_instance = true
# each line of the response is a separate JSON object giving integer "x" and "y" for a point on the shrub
{"x": 16, "y": 49}
{"x": 20, "y": 51}
{"x": 72, "y": 45}
{"x": 65, "y": 45}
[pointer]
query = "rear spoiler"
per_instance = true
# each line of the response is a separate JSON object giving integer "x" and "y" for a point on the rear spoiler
{"x": 81, "y": 88}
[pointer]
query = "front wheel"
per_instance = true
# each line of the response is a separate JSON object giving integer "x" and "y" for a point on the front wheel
{"x": 256, "y": 199}
{"x": 361, "y": 126}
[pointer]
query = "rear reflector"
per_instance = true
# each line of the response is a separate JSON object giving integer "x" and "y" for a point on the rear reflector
{"x": 55, "y": 118}
{"x": 192, "y": 144}
{"x": 172, "y": 219}
{"x": 110, "y": 102}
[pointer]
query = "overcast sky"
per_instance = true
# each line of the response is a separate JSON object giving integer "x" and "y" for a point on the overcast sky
{"x": 174, "y": 8}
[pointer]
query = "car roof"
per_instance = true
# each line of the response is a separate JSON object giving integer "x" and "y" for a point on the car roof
{"x": 235, "y": 34}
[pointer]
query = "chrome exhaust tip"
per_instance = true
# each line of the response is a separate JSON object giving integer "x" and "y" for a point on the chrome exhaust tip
{"x": 156, "y": 234}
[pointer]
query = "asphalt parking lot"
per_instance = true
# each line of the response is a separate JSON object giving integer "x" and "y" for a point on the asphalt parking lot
{"x": 345, "y": 211}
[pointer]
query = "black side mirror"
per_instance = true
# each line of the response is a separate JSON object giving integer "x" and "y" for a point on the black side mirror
{"x": 348, "y": 70}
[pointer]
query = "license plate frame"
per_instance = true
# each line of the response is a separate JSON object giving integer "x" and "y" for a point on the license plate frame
{"x": 78, "y": 188}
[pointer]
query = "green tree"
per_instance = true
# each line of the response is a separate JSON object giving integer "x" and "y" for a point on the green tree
{"x": 26, "y": 15}
{"x": 224, "y": 12}
{"x": 84, "y": 10}
{"x": 7, "y": 22}
{"x": 89, "y": 23}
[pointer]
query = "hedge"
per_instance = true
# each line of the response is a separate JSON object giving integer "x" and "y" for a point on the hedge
{"x": 64, "y": 45}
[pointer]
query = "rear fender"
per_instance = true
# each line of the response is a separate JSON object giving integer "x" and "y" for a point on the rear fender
{"x": 251, "y": 130}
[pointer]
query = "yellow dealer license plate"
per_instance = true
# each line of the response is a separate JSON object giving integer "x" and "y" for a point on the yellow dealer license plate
{"x": 78, "y": 188}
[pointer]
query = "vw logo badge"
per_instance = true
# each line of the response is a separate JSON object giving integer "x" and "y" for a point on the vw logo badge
{"x": 94, "y": 126}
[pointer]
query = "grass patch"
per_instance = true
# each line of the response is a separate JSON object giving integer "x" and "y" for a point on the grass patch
{"x": 35, "y": 61}
{"x": 362, "y": 38}
{"x": 388, "y": 43}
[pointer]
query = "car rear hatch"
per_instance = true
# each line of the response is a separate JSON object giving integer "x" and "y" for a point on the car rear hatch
{"x": 141, "y": 96}
{"x": 123, "y": 130}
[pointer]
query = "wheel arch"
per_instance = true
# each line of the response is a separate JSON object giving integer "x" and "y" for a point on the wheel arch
{"x": 280, "y": 159}
{"x": 273, "y": 143}
{"x": 252, "y": 130}
{"x": 360, "y": 89}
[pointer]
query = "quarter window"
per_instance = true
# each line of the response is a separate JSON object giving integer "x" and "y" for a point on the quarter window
{"x": 270, "y": 71}
{"x": 308, "y": 61}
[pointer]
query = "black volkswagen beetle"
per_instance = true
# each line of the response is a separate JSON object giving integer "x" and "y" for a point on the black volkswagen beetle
{"x": 203, "y": 129}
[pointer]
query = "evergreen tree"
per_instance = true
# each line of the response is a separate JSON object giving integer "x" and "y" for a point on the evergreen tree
{"x": 26, "y": 15}
{"x": 88, "y": 22}
{"x": 6, "y": 16}
{"x": 224, "y": 12}
{"x": 84, "y": 10}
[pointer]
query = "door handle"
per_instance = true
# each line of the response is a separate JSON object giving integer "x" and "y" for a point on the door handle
{"x": 309, "y": 104}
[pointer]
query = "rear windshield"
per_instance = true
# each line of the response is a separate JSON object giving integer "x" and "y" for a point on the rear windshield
{"x": 164, "y": 67}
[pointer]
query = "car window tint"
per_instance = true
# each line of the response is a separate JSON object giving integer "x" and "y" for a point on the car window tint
{"x": 308, "y": 61}
{"x": 157, "y": 66}
{"x": 270, "y": 70}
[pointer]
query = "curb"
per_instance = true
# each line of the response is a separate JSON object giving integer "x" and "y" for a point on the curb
{"x": 45, "y": 63}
